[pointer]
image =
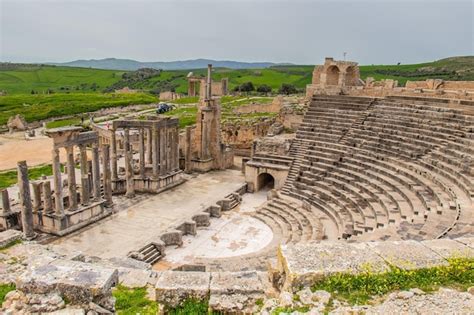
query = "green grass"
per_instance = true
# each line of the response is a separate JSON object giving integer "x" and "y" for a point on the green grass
{"x": 63, "y": 123}
{"x": 8, "y": 178}
{"x": 186, "y": 100}
{"x": 11, "y": 244}
{"x": 361, "y": 288}
{"x": 37, "y": 107}
{"x": 4, "y": 289}
{"x": 133, "y": 301}
{"x": 23, "y": 79}
{"x": 190, "y": 306}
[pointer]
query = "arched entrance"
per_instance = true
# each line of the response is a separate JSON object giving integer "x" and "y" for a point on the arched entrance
{"x": 351, "y": 78}
{"x": 332, "y": 75}
{"x": 265, "y": 181}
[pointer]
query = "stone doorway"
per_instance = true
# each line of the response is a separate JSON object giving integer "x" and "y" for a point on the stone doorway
{"x": 265, "y": 181}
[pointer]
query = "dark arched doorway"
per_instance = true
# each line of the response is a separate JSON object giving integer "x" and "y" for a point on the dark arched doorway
{"x": 351, "y": 77}
{"x": 265, "y": 181}
{"x": 332, "y": 75}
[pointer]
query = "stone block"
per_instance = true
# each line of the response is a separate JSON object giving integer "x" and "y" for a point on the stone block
{"x": 77, "y": 281}
{"x": 236, "y": 292}
{"x": 9, "y": 236}
{"x": 244, "y": 282}
{"x": 469, "y": 241}
{"x": 201, "y": 219}
{"x": 305, "y": 263}
{"x": 174, "y": 287}
{"x": 449, "y": 248}
{"x": 407, "y": 254}
{"x": 172, "y": 238}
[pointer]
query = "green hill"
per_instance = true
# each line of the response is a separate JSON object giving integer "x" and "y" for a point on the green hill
{"x": 25, "y": 78}
{"x": 19, "y": 79}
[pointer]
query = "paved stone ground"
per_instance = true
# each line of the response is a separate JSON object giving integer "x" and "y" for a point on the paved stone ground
{"x": 234, "y": 234}
{"x": 141, "y": 222}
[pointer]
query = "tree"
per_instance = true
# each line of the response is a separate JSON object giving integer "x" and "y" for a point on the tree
{"x": 247, "y": 87}
{"x": 287, "y": 89}
{"x": 264, "y": 89}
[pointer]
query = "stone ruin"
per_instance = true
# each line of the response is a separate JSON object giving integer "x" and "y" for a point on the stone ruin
{"x": 17, "y": 123}
{"x": 45, "y": 205}
{"x": 203, "y": 86}
{"x": 204, "y": 150}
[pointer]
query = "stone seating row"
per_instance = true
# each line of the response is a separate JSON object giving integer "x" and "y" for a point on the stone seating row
{"x": 399, "y": 163}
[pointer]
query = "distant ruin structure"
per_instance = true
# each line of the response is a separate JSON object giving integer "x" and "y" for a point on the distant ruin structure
{"x": 17, "y": 123}
{"x": 204, "y": 149}
{"x": 334, "y": 76}
{"x": 199, "y": 85}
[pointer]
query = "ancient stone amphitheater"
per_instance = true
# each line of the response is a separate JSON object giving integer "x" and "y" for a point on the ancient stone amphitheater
{"x": 383, "y": 181}
{"x": 378, "y": 169}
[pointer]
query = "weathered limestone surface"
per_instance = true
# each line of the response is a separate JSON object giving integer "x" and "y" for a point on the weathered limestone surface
{"x": 449, "y": 248}
{"x": 77, "y": 281}
{"x": 407, "y": 254}
{"x": 25, "y": 200}
{"x": 9, "y": 236}
{"x": 304, "y": 263}
{"x": 173, "y": 287}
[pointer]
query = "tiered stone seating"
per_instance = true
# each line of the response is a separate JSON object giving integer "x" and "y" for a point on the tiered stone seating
{"x": 396, "y": 164}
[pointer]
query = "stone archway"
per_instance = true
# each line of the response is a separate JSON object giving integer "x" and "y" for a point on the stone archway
{"x": 351, "y": 76}
{"x": 265, "y": 180}
{"x": 332, "y": 75}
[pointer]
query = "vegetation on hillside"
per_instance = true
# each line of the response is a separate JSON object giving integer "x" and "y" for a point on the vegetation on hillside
{"x": 38, "y": 107}
{"x": 8, "y": 178}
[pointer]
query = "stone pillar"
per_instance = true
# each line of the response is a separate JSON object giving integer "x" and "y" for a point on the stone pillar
{"x": 176, "y": 148}
{"x": 149, "y": 146}
{"x": 209, "y": 82}
{"x": 113, "y": 147}
{"x": 36, "y": 196}
{"x": 128, "y": 152}
{"x": 205, "y": 136}
{"x": 48, "y": 200}
{"x": 163, "y": 149}
{"x": 85, "y": 191}
{"x": 187, "y": 149}
{"x": 71, "y": 178}
{"x": 95, "y": 172}
{"x": 5, "y": 202}
{"x": 155, "y": 151}
{"x": 25, "y": 201}
{"x": 58, "y": 185}
{"x": 107, "y": 179}
{"x": 141, "y": 150}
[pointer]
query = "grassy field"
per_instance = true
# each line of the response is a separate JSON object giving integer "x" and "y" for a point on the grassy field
{"x": 37, "y": 107}
{"x": 8, "y": 178}
{"x": 23, "y": 79}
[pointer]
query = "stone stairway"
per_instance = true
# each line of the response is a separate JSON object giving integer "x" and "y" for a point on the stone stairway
{"x": 297, "y": 151}
{"x": 357, "y": 123}
{"x": 149, "y": 254}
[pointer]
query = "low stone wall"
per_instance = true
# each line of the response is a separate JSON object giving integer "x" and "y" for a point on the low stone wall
{"x": 305, "y": 263}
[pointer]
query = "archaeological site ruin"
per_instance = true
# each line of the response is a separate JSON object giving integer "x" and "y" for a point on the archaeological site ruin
{"x": 356, "y": 173}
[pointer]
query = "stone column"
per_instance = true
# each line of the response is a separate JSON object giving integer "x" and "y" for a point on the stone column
{"x": 176, "y": 148}
{"x": 163, "y": 149}
{"x": 155, "y": 151}
{"x": 113, "y": 146}
{"x": 141, "y": 150}
{"x": 36, "y": 196}
{"x": 205, "y": 135}
{"x": 25, "y": 201}
{"x": 85, "y": 191}
{"x": 107, "y": 180}
{"x": 130, "y": 193}
{"x": 149, "y": 146}
{"x": 5, "y": 202}
{"x": 187, "y": 149}
{"x": 58, "y": 185}
{"x": 95, "y": 172}
{"x": 71, "y": 178}
{"x": 48, "y": 200}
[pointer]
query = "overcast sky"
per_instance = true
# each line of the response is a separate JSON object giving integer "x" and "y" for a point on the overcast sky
{"x": 297, "y": 31}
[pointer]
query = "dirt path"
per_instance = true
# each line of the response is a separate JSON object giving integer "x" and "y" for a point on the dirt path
{"x": 14, "y": 148}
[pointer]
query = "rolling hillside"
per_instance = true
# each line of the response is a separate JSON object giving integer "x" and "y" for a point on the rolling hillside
{"x": 15, "y": 79}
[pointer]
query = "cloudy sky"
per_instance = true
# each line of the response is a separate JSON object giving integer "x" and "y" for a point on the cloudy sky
{"x": 298, "y": 31}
